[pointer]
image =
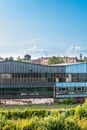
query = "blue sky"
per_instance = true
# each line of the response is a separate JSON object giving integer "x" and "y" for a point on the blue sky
{"x": 43, "y": 27}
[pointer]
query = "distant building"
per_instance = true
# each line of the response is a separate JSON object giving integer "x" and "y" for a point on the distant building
{"x": 36, "y": 61}
{"x": 69, "y": 59}
{"x": 42, "y": 60}
{"x": 85, "y": 59}
{"x": 27, "y": 57}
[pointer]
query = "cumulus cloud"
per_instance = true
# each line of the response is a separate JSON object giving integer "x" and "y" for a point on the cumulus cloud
{"x": 74, "y": 48}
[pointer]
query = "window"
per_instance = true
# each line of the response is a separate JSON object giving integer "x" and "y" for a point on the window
{"x": 79, "y": 89}
{"x": 6, "y": 76}
{"x": 63, "y": 89}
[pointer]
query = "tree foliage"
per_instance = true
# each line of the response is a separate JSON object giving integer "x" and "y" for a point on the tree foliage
{"x": 55, "y": 60}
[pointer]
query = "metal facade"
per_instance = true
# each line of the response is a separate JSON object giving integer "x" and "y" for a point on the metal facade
{"x": 74, "y": 83}
{"x": 76, "y": 68}
{"x": 27, "y": 80}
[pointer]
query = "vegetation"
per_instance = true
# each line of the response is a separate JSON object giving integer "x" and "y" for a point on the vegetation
{"x": 69, "y": 101}
{"x": 57, "y": 105}
{"x": 44, "y": 119}
{"x": 55, "y": 60}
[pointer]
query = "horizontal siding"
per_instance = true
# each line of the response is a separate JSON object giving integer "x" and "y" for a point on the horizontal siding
{"x": 24, "y": 67}
{"x": 71, "y": 95}
{"x": 76, "y": 68}
{"x": 73, "y": 84}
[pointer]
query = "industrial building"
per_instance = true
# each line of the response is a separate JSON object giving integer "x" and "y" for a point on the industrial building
{"x": 23, "y": 80}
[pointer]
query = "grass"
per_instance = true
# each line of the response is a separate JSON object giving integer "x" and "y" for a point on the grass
{"x": 39, "y": 106}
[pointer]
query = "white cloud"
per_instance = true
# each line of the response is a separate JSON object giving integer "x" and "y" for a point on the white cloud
{"x": 75, "y": 48}
{"x": 76, "y": 51}
{"x": 34, "y": 49}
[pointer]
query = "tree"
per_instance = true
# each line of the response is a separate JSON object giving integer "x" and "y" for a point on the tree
{"x": 11, "y": 58}
{"x": 55, "y": 60}
{"x": 19, "y": 59}
{"x": 6, "y": 59}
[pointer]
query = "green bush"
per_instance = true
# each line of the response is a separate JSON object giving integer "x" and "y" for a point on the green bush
{"x": 81, "y": 110}
{"x": 82, "y": 124}
{"x": 26, "y": 128}
{"x": 70, "y": 112}
{"x": 54, "y": 123}
{"x": 6, "y": 127}
{"x": 71, "y": 124}
{"x": 57, "y": 119}
{"x": 15, "y": 114}
{"x": 69, "y": 101}
{"x": 78, "y": 112}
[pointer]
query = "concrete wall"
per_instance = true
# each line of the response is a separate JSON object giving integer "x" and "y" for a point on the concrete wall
{"x": 26, "y": 101}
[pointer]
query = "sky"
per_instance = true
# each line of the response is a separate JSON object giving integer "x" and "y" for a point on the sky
{"x": 43, "y": 28}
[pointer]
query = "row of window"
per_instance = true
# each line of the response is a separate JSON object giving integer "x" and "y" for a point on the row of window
{"x": 71, "y": 89}
{"x": 28, "y": 77}
{"x": 82, "y": 77}
{"x": 26, "y": 92}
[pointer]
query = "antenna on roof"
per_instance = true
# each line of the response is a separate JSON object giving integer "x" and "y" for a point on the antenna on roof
{"x": 46, "y": 55}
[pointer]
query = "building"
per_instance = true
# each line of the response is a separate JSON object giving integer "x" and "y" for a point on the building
{"x": 23, "y": 80}
{"x": 26, "y": 80}
{"x": 67, "y": 59}
{"x": 36, "y": 61}
{"x": 27, "y": 57}
{"x": 42, "y": 60}
{"x": 72, "y": 82}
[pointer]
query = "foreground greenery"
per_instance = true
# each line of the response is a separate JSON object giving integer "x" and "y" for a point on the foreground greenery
{"x": 44, "y": 119}
{"x": 38, "y": 106}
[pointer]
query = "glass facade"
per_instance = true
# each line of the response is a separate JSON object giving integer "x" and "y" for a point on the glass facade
{"x": 71, "y": 85}
{"x": 25, "y": 85}
{"x": 26, "y": 80}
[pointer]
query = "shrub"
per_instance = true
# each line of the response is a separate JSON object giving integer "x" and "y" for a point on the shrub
{"x": 71, "y": 124}
{"x": 55, "y": 112}
{"x": 84, "y": 109}
{"x": 69, "y": 101}
{"x": 81, "y": 111}
{"x": 26, "y": 128}
{"x": 78, "y": 112}
{"x": 70, "y": 112}
{"x": 54, "y": 123}
{"x": 15, "y": 114}
{"x": 6, "y": 127}
{"x": 82, "y": 124}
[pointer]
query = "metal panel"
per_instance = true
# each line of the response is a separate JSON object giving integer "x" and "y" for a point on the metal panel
{"x": 24, "y": 67}
{"x": 71, "y": 95}
{"x": 73, "y": 84}
{"x": 76, "y": 68}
